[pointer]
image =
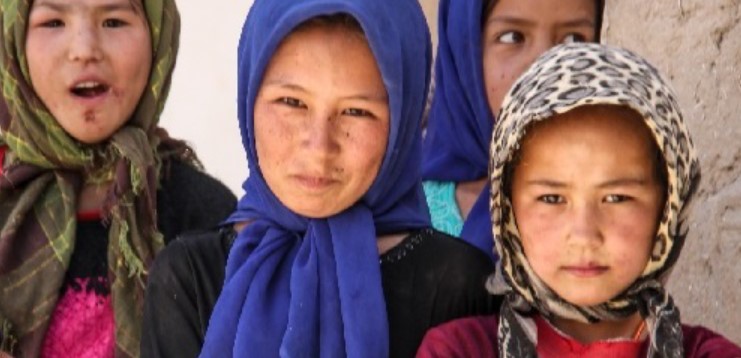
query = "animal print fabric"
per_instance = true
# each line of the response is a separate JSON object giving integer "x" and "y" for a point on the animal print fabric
{"x": 564, "y": 78}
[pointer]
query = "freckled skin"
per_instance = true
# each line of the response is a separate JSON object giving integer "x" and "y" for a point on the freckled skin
{"x": 86, "y": 41}
{"x": 587, "y": 201}
{"x": 323, "y": 99}
{"x": 568, "y": 215}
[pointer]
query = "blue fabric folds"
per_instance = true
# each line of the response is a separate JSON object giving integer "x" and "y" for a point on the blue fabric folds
{"x": 300, "y": 287}
{"x": 456, "y": 147}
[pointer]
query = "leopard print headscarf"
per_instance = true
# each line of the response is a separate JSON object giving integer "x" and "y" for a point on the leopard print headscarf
{"x": 564, "y": 78}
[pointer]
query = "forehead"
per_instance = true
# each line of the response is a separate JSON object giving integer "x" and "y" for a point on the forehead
{"x": 314, "y": 47}
{"x": 544, "y": 9}
{"x": 612, "y": 124}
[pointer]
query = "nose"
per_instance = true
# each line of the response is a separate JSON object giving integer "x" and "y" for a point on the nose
{"x": 84, "y": 44}
{"x": 585, "y": 226}
{"x": 539, "y": 47}
{"x": 320, "y": 134}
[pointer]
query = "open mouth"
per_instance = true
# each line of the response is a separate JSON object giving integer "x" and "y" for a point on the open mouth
{"x": 89, "y": 89}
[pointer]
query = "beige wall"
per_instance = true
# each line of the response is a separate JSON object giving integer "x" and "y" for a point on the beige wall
{"x": 697, "y": 45}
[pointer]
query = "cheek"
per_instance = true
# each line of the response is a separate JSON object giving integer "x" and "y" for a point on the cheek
{"x": 269, "y": 130}
{"x": 632, "y": 236}
{"x": 498, "y": 77}
{"x": 366, "y": 148}
{"x": 540, "y": 235}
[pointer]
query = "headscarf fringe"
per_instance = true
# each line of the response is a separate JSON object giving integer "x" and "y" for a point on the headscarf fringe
{"x": 8, "y": 341}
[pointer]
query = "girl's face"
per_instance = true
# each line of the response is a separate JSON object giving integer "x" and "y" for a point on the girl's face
{"x": 321, "y": 121}
{"x": 587, "y": 197}
{"x": 89, "y": 62}
{"x": 518, "y": 31}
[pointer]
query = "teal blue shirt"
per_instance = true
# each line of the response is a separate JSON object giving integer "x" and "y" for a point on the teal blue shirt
{"x": 444, "y": 211}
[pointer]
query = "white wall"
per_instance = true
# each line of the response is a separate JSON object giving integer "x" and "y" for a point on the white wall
{"x": 202, "y": 105}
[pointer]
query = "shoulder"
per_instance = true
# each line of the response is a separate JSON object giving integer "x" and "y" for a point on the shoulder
{"x": 182, "y": 178}
{"x": 451, "y": 273}
{"x": 189, "y": 199}
{"x": 453, "y": 256}
{"x": 702, "y": 342}
{"x": 465, "y": 337}
{"x": 190, "y": 256}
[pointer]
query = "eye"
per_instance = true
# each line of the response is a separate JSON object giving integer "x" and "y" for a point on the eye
{"x": 616, "y": 198}
{"x": 357, "y": 112}
{"x": 54, "y": 23}
{"x": 114, "y": 23}
{"x": 511, "y": 37}
{"x": 572, "y": 38}
{"x": 292, "y": 102}
{"x": 551, "y": 199}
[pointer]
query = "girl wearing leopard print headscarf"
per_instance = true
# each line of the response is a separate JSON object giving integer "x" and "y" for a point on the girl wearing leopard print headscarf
{"x": 592, "y": 173}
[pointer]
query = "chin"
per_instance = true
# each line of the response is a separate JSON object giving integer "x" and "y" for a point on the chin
{"x": 583, "y": 299}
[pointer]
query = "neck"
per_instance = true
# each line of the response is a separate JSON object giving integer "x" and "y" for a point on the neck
{"x": 466, "y": 194}
{"x": 592, "y": 332}
{"x": 385, "y": 242}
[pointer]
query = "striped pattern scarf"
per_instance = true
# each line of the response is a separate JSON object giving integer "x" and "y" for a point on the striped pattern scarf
{"x": 43, "y": 175}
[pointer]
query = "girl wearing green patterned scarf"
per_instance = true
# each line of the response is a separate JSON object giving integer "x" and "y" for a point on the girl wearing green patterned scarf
{"x": 592, "y": 174}
{"x": 90, "y": 187}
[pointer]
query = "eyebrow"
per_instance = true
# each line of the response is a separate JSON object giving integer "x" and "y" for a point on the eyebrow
{"x": 524, "y": 22}
{"x": 608, "y": 184}
{"x": 63, "y": 7}
{"x": 294, "y": 87}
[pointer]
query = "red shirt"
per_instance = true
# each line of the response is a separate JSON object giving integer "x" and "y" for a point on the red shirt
{"x": 477, "y": 337}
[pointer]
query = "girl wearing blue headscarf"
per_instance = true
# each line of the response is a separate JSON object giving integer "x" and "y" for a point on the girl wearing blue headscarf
{"x": 484, "y": 45}
{"x": 329, "y": 252}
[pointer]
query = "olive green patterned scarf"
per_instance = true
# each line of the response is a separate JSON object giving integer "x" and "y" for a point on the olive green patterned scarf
{"x": 42, "y": 176}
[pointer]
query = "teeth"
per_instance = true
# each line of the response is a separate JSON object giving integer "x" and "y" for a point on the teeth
{"x": 87, "y": 85}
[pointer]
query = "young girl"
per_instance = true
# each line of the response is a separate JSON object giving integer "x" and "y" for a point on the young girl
{"x": 484, "y": 45}
{"x": 329, "y": 252}
{"x": 90, "y": 187}
{"x": 592, "y": 175}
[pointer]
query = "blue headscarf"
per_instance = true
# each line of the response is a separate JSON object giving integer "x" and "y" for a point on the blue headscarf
{"x": 456, "y": 146}
{"x": 312, "y": 287}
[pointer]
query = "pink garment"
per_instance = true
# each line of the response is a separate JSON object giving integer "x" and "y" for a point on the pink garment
{"x": 81, "y": 326}
{"x": 477, "y": 337}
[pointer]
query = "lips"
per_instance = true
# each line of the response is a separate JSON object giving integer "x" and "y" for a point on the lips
{"x": 314, "y": 182}
{"x": 89, "y": 89}
{"x": 586, "y": 270}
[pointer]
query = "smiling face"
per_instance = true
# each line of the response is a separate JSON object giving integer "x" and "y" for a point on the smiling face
{"x": 586, "y": 195}
{"x": 89, "y": 62}
{"x": 516, "y": 32}
{"x": 321, "y": 120}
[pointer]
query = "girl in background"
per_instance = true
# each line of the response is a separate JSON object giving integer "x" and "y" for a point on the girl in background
{"x": 484, "y": 45}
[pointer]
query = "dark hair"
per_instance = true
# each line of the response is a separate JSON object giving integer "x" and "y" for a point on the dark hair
{"x": 599, "y": 9}
{"x": 339, "y": 20}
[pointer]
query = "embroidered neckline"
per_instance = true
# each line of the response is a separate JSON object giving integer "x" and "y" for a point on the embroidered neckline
{"x": 400, "y": 251}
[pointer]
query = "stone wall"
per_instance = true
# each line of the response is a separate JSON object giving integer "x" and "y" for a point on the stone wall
{"x": 696, "y": 44}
